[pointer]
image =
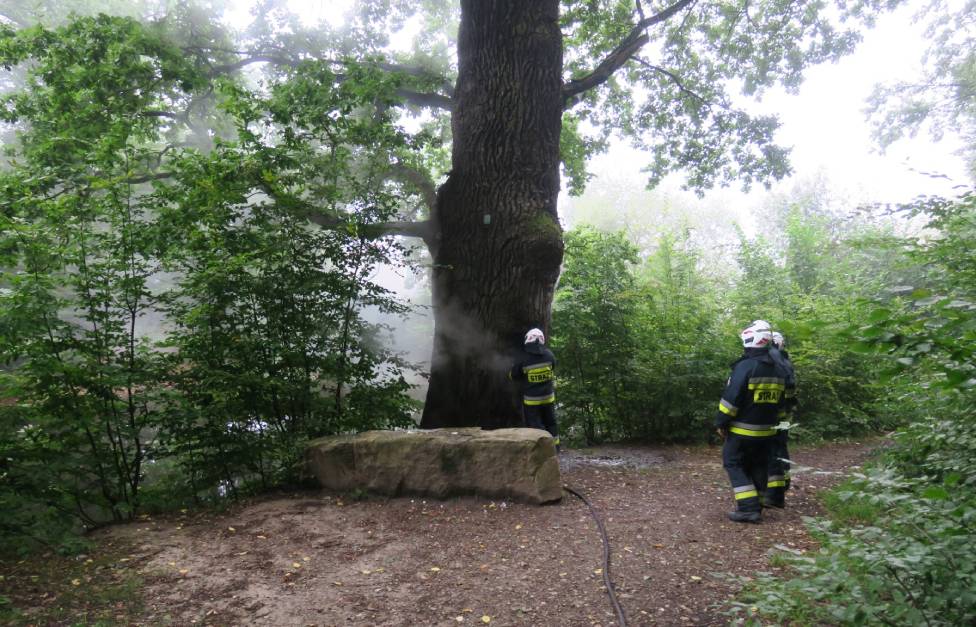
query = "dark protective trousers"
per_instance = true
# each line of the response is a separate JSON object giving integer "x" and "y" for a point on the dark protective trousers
{"x": 541, "y": 417}
{"x": 779, "y": 469}
{"x": 747, "y": 460}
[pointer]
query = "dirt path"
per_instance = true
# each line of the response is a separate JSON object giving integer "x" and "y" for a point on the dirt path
{"x": 317, "y": 559}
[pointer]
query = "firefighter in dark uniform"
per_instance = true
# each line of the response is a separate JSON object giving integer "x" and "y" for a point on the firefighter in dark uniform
{"x": 779, "y": 474}
{"x": 534, "y": 370}
{"x": 751, "y": 407}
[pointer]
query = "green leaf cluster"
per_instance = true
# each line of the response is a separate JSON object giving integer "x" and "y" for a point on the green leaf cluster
{"x": 172, "y": 327}
{"x": 645, "y": 337}
{"x": 902, "y": 550}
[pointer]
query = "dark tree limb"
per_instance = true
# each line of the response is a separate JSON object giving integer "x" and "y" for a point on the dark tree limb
{"x": 445, "y": 87}
{"x": 433, "y": 100}
{"x": 674, "y": 78}
{"x": 422, "y": 229}
{"x": 625, "y": 50}
{"x": 418, "y": 179}
{"x": 162, "y": 114}
{"x": 227, "y": 68}
{"x": 145, "y": 178}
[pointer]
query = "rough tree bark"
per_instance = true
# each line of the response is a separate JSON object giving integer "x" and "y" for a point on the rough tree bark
{"x": 497, "y": 244}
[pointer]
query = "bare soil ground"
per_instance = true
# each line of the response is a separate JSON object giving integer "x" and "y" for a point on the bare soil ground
{"x": 322, "y": 559}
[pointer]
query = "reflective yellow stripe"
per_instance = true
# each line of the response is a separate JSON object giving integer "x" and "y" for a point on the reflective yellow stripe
{"x": 727, "y": 408}
{"x": 767, "y": 386}
{"x": 746, "y": 495}
{"x": 752, "y": 433}
{"x": 544, "y": 400}
{"x": 776, "y": 484}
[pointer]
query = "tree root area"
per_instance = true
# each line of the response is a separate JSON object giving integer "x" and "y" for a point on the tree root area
{"x": 316, "y": 558}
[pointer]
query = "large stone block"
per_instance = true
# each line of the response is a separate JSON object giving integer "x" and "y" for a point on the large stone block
{"x": 518, "y": 464}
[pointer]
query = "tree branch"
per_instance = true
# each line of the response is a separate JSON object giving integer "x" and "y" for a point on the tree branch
{"x": 437, "y": 101}
{"x": 233, "y": 67}
{"x": 162, "y": 114}
{"x": 674, "y": 79}
{"x": 145, "y": 178}
{"x": 422, "y": 229}
{"x": 417, "y": 72}
{"x": 418, "y": 179}
{"x": 626, "y": 49}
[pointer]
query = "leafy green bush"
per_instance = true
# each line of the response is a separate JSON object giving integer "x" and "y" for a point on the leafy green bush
{"x": 635, "y": 341}
{"x": 912, "y": 563}
{"x": 911, "y": 560}
{"x": 267, "y": 344}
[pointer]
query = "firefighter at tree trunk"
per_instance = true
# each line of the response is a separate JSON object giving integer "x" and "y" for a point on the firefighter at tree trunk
{"x": 751, "y": 406}
{"x": 779, "y": 475}
{"x": 534, "y": 369}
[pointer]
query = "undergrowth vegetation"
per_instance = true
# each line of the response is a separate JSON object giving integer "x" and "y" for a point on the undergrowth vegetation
{"x": 900, "y": 548}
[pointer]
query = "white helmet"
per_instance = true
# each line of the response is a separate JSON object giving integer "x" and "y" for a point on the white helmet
{"x": 535, "y": 335}
{"x": 778, "y": 339}
{"x": 756, "y": 335}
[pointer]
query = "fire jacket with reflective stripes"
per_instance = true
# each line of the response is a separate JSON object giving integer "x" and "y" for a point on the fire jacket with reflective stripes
{"x": 782, "y": 359}
{"x": 534, "y": 369}
{"x": 753, "y": 402}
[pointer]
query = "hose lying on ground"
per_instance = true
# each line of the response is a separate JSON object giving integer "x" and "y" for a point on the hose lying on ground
{"x": 606, "y": 557}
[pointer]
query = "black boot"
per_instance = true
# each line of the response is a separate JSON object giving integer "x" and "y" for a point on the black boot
{"x": 747, "y": 517}
{"x": 774, "y": 498}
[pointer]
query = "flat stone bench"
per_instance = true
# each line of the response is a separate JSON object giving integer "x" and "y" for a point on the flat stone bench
{"x": 516, "y": 464}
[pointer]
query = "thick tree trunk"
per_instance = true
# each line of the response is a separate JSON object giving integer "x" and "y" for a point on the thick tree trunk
{"x": 498, "y": 244}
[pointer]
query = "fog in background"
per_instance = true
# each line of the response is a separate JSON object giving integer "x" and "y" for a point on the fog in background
{"x": 832, "y": 151}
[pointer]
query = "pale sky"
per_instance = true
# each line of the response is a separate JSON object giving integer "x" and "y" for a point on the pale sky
{"x": 826, "y": 127}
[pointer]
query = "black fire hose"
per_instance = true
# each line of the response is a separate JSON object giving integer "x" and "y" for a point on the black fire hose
{"x": 606, "y": 557}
